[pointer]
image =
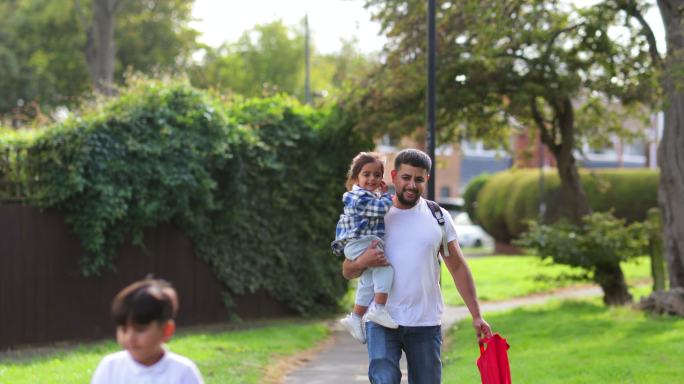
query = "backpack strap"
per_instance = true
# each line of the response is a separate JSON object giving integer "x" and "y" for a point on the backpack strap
{"x": 437, "y": 213}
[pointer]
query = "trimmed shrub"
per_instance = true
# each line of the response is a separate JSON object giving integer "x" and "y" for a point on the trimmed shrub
{"x": 491, "y": 205}
{"x": 474, "y": 187}
{"x": 523, "y": 200}
{"x": 628, "y": 193}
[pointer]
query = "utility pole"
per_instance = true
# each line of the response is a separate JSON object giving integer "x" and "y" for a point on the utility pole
{"x": 542, "y": 201}
{"x": 307, "y": 80}
{"x": 431, "y": 39}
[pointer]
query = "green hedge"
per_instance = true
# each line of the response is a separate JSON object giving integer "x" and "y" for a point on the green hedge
{"x": 255, "y": 184}
{"x": 511, "y": 198}
{"x": 491, "y": 205}
{"x": 471, "y": 191}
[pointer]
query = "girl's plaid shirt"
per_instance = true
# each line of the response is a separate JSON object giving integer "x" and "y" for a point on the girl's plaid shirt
{"x": 364, "y": 213}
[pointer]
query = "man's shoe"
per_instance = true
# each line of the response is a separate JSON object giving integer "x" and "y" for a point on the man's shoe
{"x": 355, "y": 328}
{"x": 381, "y": 317}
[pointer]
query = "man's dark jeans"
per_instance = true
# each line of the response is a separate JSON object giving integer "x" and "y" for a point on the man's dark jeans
{"x": 421, "y": 345}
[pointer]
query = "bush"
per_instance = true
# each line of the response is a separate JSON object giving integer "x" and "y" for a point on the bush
{"x": 629, "y": 193}
{"x": 255, "y": 184}
{"x": 522, "y": 203}
{"x": 513, "y": 197}
{"x": 280, "y": 219}
{"x": 597, "y": 246}
{"x": 491, "y": 205}
{"x": 473, "y": 188}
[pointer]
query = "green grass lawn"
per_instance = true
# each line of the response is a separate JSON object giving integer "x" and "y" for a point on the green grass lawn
{"x": 576, "y": 342}
{"x": 588, "y": 331}
{"x": 505, "y": 277}
{"x": 477, "y": 250}
{"x": 222, "y": 356}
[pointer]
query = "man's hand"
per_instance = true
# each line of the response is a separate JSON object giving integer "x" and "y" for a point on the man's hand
{"x": 372, "y": 257}
{"x": 482, "y": 328}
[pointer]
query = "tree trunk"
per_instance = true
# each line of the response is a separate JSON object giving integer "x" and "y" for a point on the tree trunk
{"x": 100, "y": 49}
{"x": 612, "y": 281}
{"x": 574, "y": 202}
{"x": 671, "y": 148}
{"x": 664, "y": 302}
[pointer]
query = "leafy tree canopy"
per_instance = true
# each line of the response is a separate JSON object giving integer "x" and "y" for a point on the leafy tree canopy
{"x": 269, "y": 59}
{"x": 497, "y": 60}
{"x": 42, "y": 63}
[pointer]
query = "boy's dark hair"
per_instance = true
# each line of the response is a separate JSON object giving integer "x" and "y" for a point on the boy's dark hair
{"x": 145, "y": 301}
{"x": 358, "y": 163}
{"x": 414, "y": 158}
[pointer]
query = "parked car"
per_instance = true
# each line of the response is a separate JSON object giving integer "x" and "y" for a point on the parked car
{"x": 452, "y": 204}
{"x": 469, "y": 234}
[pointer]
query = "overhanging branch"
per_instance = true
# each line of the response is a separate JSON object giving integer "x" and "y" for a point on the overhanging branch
{"x": 630, "y": 7}
{"x": 542, "y": 125}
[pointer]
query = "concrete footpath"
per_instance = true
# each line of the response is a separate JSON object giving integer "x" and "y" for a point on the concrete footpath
{"x": 345, "y": 361}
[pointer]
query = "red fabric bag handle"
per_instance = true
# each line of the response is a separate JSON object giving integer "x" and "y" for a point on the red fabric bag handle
{"x": 482, "y": 343}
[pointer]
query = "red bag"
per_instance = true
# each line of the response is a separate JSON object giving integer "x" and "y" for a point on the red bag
{"x": 493, "y": 360}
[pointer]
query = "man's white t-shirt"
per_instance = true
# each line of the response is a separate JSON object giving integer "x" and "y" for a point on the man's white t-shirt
{"x": 120, "y": 368}
{"x": 412, "y": 242}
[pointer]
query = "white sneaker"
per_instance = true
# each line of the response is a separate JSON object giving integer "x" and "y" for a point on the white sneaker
{"x": 381, "y": 317}
{"x": 355, "y": 328}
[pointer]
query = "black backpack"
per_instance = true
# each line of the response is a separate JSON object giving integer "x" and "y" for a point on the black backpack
{"x": 437, "y": 213}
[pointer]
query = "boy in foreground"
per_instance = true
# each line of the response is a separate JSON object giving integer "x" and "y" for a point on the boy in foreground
{"x": 144, "y": 313}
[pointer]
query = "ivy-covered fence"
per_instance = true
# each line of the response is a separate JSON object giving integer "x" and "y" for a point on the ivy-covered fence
{"x": 255, "y": 184}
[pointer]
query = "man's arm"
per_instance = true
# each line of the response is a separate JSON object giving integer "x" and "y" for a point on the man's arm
{"x": 372, "y": 257}
{"x": 460, "y": 272}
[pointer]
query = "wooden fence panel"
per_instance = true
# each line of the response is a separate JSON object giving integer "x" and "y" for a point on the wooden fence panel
{"x": 44, "y": 297}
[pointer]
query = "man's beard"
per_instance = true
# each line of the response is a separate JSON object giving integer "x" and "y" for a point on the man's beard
{"x": 408, "y": 203}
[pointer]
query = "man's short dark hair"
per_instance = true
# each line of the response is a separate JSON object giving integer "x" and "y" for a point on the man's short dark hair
{"x": 413, "y": 157}
{"x": 145, "y": 301}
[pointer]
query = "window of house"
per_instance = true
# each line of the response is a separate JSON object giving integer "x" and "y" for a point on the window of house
{"x": 444, "y": 191}
{"x": 635, "y": 148}
{"x": 478, "y": 148}
{"x": 603, "y": 153}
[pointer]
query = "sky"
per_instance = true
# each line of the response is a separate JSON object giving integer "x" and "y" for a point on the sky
{"x": 329, "y": 21}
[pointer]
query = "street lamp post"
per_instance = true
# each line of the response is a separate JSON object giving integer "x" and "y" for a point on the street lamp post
{"x": 431, "y": 40}
{"x": 307, "y": 64}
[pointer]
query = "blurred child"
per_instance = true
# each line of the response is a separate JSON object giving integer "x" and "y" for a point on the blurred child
{"x": 365, "y": 204}
{"x": 144, "y": 313}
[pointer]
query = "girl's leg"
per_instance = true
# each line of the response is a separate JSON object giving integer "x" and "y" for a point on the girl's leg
{"x": 382, "y": 283}
{"x": 364, "y": 295}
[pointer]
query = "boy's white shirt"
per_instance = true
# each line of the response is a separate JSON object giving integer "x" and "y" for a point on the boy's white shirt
{"x": 120, "y": 367}
{"x": 412, "y": 241}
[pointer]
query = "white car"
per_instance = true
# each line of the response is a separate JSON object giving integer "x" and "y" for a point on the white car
{"x": 469, "y": 234}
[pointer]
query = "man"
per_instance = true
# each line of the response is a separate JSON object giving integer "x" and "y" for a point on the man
{"x": 412, "y": 243}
